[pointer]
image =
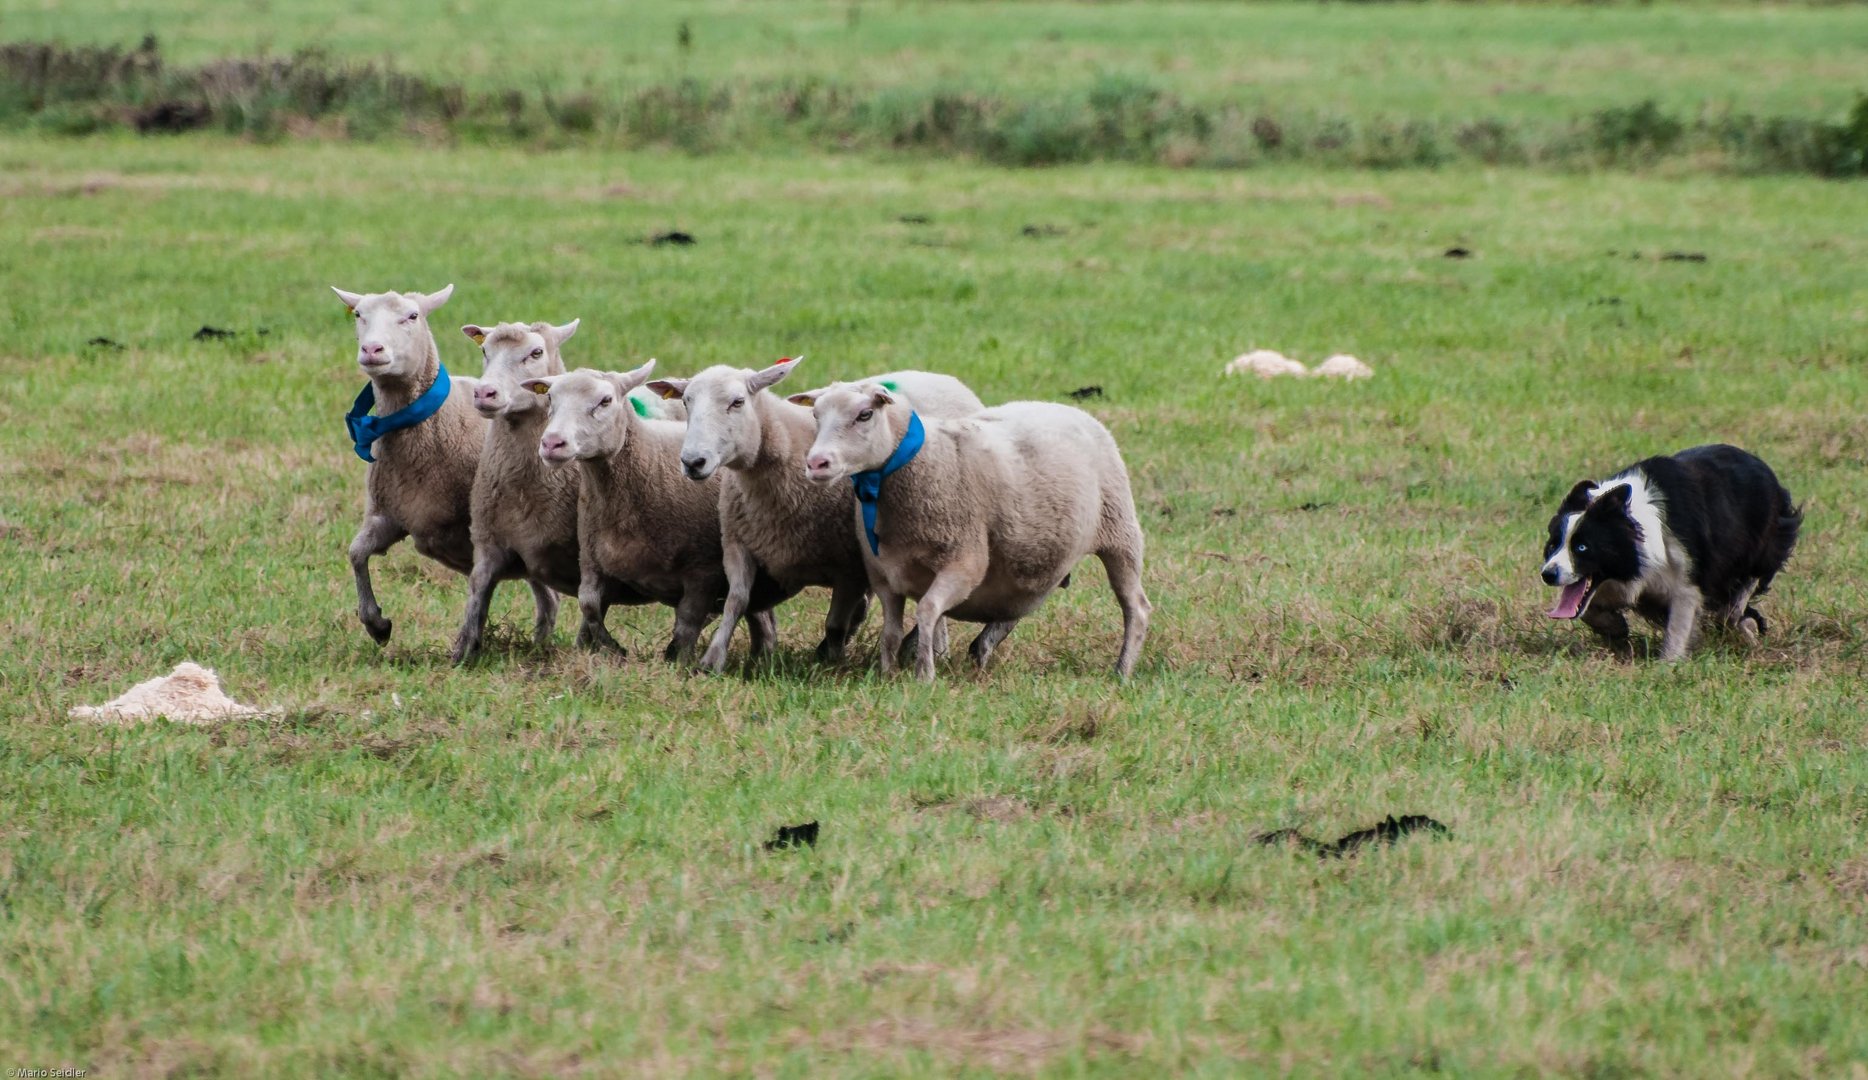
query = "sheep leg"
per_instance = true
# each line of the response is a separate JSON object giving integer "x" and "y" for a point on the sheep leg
{"x": 848, "y": 605}
{"x": 763, "y": 628}
{"x": 690, "y": 617}
{"x": 949, "y": 587}
{"x": 912, "y": 643}
{"x": 1124, "y": 567}
{"x": 545, "y": 615}
{"x": 488, "y": 566}
{"x": 1682, "y": 618}
{"x": 892, "y": 605}
{"x": 741, "y": 569}
{"x": 377, "y": 535}
{"x": 988, "y": 640}
{"x": 593, "y": 635}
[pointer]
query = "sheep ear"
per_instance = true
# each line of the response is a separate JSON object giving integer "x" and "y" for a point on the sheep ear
{"x": 475, "y": 334}
{"x": 759, "y": 380}
{"x": 667, "y": 389}
{"x": 539, "y": 386}
{"x": 881, "y": 397}
{"x": 561, "y": 334}
{"x": 429, "y": 303}
{"x": 350, "y": 299}
{"x": 626, "y": 381}
{"x": 808, "y": 399}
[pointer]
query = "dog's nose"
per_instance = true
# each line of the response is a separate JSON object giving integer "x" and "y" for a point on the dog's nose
{"x": 1550, "y": 575}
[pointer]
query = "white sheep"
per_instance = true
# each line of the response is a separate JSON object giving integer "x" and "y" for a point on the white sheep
{"x": 524, "y": 512}
{"x": 1343, "y": 366}
{"x": 1264, "y": 363}
{"x": 985, "y": 517}
{"x": 420, "y": 480}
{"x": 646, "y": 534}
{"x": 772, "y": 519}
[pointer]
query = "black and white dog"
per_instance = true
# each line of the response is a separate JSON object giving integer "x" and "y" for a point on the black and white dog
{"x": 1706, "y": 528}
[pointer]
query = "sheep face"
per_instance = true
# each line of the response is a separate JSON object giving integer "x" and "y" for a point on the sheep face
{"x": 852, "y": 433}
{"x": 723, "y": 424}
{"x": 516, "y": 353}
{"x": 588, "y": 415}
{"x": 393, "y": 340}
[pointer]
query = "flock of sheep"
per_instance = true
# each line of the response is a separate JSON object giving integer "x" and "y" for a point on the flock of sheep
{"x": 713, "y": 495}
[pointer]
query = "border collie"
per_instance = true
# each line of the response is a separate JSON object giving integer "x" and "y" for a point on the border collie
{"x": 1706, "y": 528}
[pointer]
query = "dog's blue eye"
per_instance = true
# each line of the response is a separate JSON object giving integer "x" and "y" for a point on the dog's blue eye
{"x": 1580, "y": 548}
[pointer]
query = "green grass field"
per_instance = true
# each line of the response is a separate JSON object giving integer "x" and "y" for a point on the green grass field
{"x": 1410, "y": 59}
{"x": 551, "y": 865}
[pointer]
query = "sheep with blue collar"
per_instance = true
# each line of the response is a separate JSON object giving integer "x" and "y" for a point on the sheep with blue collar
{"x": 978, "y": 518}
{"x": 422, "y": 443}
{"x": 772, "y": 519}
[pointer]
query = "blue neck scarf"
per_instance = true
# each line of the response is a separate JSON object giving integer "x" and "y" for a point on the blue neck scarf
{"x": 366, "y": 429}
{"x": 869, "y": 484}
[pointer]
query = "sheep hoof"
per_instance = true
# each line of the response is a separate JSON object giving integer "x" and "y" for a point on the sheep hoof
{"x": 379, "y": 630}
{"x": 829, "y": 652}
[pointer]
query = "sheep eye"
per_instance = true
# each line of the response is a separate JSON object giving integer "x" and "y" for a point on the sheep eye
{"x": 607, "y": 400}
{"x": 536, "y": 353}
{"x": 865, "y": 415}
{"x": 737, "y": 402}
{"x": 414, "y": 315}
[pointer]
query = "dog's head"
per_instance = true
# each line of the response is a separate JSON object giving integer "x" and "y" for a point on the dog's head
{"x": 1593, "y": 539}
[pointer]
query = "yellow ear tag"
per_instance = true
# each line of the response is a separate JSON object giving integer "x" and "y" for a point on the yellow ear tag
{"x": 478, "y": 339}
{"x": 353, "y": 311}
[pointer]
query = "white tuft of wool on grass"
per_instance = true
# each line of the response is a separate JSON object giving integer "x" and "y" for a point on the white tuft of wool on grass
{"x": 1265, "y": 363}
{"x": 1343, "y": 366}
{"x": 191, "y": 694}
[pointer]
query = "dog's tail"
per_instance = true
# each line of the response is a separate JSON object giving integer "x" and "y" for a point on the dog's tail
{"x": 1781, "y": 541}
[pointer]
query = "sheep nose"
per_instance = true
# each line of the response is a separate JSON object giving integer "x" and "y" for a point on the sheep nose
{"x": 486, "y": 395}
{"x": 1550, "y": 576}
{"x": 551, "y": 444}
{"x": 817, "y": 462}
{"x": 694, "y": 464}
{"x": 374, "y": 349}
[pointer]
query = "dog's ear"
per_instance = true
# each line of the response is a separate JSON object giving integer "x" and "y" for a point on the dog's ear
{"x": 1613, "y": 501}
{"x": 1578, "y": 498}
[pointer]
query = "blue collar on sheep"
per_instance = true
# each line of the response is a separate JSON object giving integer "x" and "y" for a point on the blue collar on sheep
{"x": 366, "y": 429}
{"x": 869, "y": 484}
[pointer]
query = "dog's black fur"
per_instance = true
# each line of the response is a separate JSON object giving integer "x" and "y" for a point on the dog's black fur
{"x": 1727, "y": 528}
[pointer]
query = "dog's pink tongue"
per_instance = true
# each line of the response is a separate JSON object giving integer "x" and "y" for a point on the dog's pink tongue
{"x": 1570, "y": 601}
